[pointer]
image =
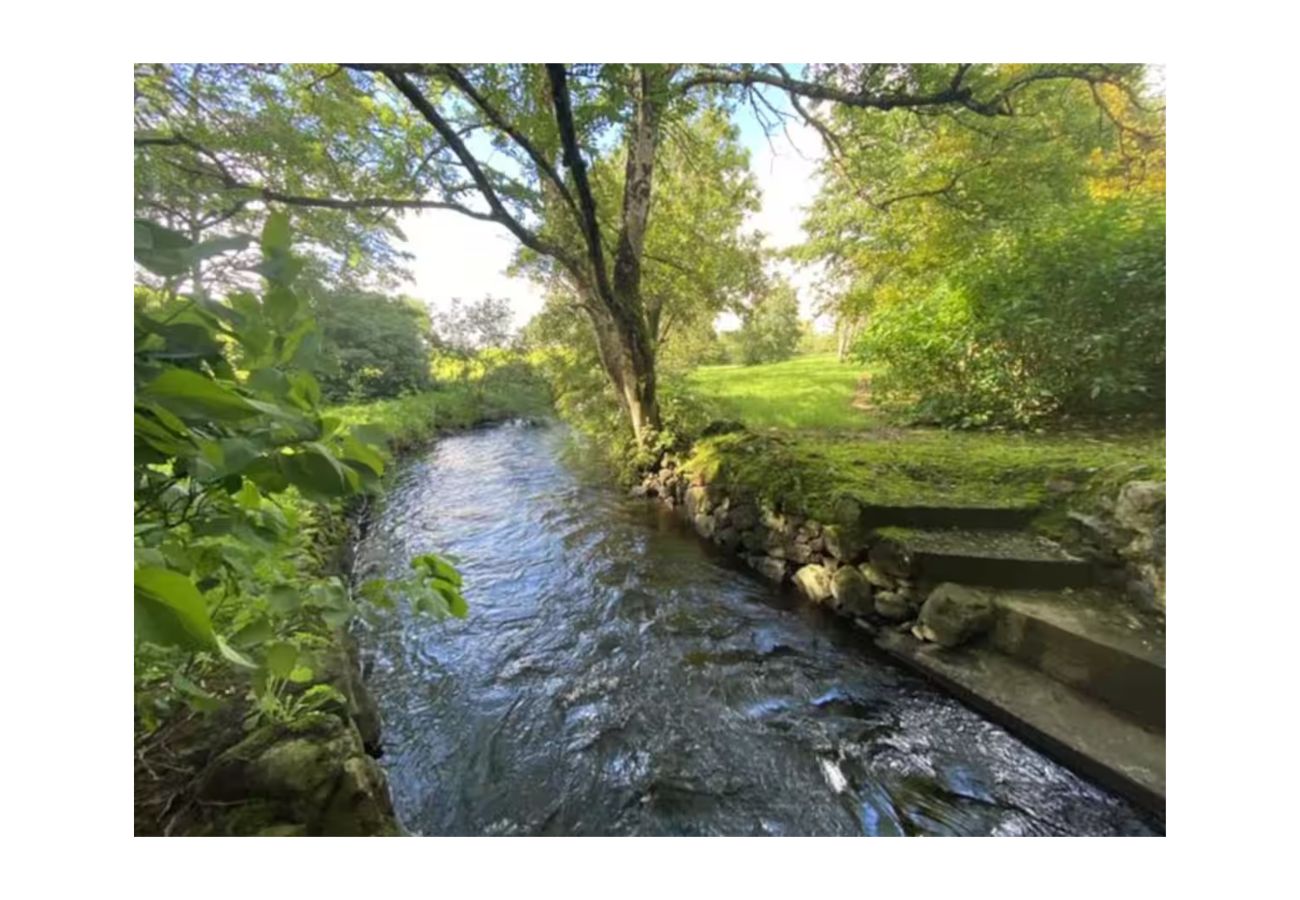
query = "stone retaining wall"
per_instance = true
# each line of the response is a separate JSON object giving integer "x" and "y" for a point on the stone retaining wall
{"x": 838, "y": 564}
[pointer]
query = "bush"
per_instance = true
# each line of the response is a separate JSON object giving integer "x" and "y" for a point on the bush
{"x": 1064, "y": 320}
{"x": 374, "y": 346}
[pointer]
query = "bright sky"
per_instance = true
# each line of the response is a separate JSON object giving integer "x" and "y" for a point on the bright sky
{"x": 461, "y": 257}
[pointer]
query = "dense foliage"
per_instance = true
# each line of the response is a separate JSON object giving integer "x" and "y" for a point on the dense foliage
{"x": 769, "y": 328}
{"x": 1006, "y": 271}
{"x": 237, "y": 473}
{"x": 1067, "y": 319}
{"x": 373, "y": 346}
{"x": 567, "y": 157}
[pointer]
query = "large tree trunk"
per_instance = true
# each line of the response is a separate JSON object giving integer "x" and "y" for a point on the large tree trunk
{"x": 628, "y": 359}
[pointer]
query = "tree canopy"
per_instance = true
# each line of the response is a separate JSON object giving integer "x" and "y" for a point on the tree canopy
{"x": 526, "y": 147}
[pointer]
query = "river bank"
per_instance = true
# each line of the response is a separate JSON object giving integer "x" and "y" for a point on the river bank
{"x": 220, "y": 769}
{"x": 1036, "y": 595}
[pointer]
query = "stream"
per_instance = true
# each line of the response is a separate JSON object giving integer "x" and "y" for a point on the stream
{"x": 618, "y": 676}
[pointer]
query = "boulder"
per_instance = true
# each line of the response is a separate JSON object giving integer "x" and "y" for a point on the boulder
{"x": 844, "y": 542}
{"x": 704, "y": 525}
{"x": 875, "y": 577}
{"x": 814, "y": 582}
{"x": 848, "y": 511}
{"x": 893, "y": 606}
{"x": 697, "y": 501}
{"x": 772, "y": 569}
{"x": 890, "y": 558}
{"x": 727, "y": 537}
{"x": 954, "y": 614}
{"x": 744, "y": 516}
{"x": 1141, "y": 505}
{"x": 851, "y": 591}
{"x": 798, "y": 552}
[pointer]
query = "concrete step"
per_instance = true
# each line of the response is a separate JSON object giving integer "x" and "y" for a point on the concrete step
{"x": 1067, "y": 724}
{"x": 991, "y": 558}
{"x": 1089, "y": 640}
{"x": 998, "y": 517}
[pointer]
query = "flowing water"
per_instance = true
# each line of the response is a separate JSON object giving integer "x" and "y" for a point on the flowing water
{"x": 617, "y": 676}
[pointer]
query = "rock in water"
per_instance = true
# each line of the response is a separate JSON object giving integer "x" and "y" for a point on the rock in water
{"x": 851, "y": 591}
{"x": 773, "y": 569}
{"x": 953, "y": 614}
{"x": 814, "y": 582}
{"x": 834, "y": 777}
{"x": 893, "y": 606}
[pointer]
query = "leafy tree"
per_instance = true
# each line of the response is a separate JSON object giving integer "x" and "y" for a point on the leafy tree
{"x": 466, "y": 328}
{"x": 518, "y": 145}
{"x": 373, "y": 346}
{"x": 948, "y": 236}
{"x": 770, "y": 329}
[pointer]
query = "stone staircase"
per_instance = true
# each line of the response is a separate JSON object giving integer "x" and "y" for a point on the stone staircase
{"x": 1068, "y": 662}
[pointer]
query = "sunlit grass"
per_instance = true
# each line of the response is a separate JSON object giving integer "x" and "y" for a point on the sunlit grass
{"x": 811, "y": 442}
{"x": 813, "y": 391}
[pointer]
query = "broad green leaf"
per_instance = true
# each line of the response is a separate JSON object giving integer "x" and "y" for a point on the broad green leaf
{"x": 275, "y": 234}
{"x": 189, "y": 394}
{"x": 284, "y": 598}
{"x": 169, "y": 610}
{"x": 315, "y": 470}
{"x": 255, "y": 632}
{"x": 281, "y": 304}
{"x": 249, "y": 496}
{"x": 281, "y": 658}
{"x": 234, "y": 655}
{"x": 355, "y": 451}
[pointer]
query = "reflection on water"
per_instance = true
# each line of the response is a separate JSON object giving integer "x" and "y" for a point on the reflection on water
{"x": 615, "y": 676}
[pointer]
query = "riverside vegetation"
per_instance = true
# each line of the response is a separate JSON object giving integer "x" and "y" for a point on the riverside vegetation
{"x": 992, "y": 238}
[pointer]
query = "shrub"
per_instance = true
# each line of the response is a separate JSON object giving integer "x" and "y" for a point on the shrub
{"x": 1063, "y": 320}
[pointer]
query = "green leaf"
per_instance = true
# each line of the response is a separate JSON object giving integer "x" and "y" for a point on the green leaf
{"x": 301, "y": 675}
{"x": 315, "y": 471}
{"x": 275, "y": 234}
{"x": 234, "y": 655}
{"x": 281, "y": 304}
{"x": 249, "y": 496}
{"x": 189, "y": 394}
{"x": 169, "y": 610}
{"x": 355, "y": 451}
{"x": 284, "y": 598}
{"x": 281, "y": 658}
{"x": 195, "y": 696}
{"x": 255, "y": 632}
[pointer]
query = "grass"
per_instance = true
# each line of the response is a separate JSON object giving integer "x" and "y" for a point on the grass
{"x": 452, "y": 404}
{"x": 812, "y": 391}
{"x": 809, "y": 445}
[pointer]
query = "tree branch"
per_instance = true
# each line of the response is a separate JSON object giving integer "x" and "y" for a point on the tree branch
{"x": 588, "y": 220}
{"x": 496, "y": 118}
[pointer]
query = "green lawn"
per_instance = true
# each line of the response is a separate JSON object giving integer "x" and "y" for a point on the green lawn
{"x": 808, "y": 439}
{"x": 804, "y": 392}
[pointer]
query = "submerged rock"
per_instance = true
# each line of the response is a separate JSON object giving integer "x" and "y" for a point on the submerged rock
{"x": 814, "y": 582}
{"x": 953, "y": 614}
